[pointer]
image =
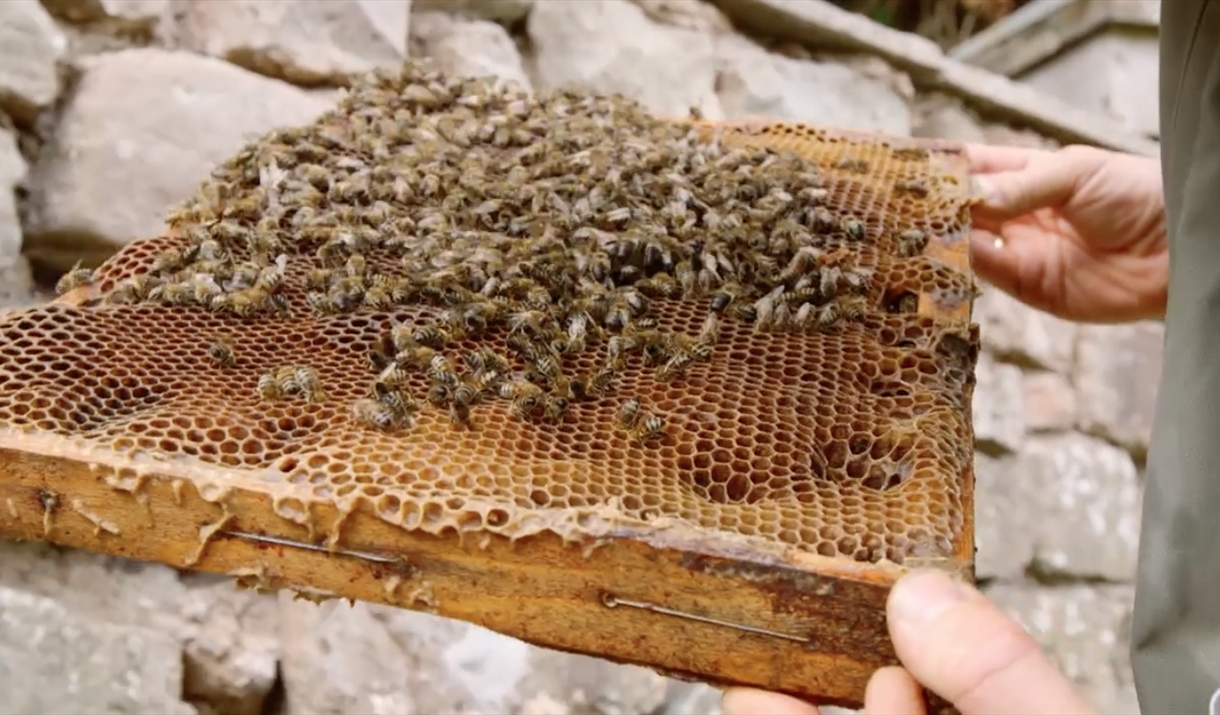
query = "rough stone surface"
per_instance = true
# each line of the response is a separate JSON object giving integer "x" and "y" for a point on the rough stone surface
{"x": 1015, "y": 333}
{"x": 999, "y": 407}
{"x": 467, "y": 47}
{"x": 152, "y": 123}
{"x": 687, "y": 14}
{"x": 12, "y": 172}
{"x": 225, "y": 642}
{"x": 754, "y": 82}
{"x": 505, "y": 12}
{"x": 1083, "y": 498}
{"x": 1003, "y": 513}
{"x": 126, "y": 14}
{"x": 31, "y": 48}
{"x": 612, "y": 46}
{"x": 1118, "y": 369}
{"x": 53, "y": 661}
{"x": 304, "y": 41}
{"x": 1084, "y": 630}
{"x": 374, "y": 659}
{"x": 1050, "y": 402}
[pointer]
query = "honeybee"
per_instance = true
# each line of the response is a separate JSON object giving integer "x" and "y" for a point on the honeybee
{"x": 525, "y": 396}
{"x": 916, "y": 188}
{"x": 418, "y": 357}
{"x": 726, "y": 294}
{"x": 285, "y": 377}
{"x": 168, "y": 261}
{"x": 854, "y": 228}
{"x": 319, "y": 278}
{"x": 910, "y": 153}
{"x": 221, "y": 352}
{"x": 531, "y": 322}
{"x": 629, "y": 414}
{"x": 709, "y": 334}
{"x": 378, "y": 298}
{"x": 74, "y": 279}
{"x": 600, "y": 382}
{"x": 440, "y": 371}
{"x": 828, "y": 317}
{"x": 399, "y": 402}
{"x": 855, "y": 166}
{"x": 548, "y": 367}
{"x": 269, "y": 387}
{"x": 464, "y": 398}
{"x": 556, "y": 407}
{"x": 377, "y": 415}
{"x": 211, "y": 250}
{"x": 649, "y": 428}
{"x": 173, "y": 293}
{"x": 356, "y": 266}
{"x": 309, "y": 383}
{"x": 853, "y": 307}
{"x": 823, "y": 221}
{"x": 431, "y": 336}
{"x": 676, "y": 366}
{"x": 438, "y": 395}
{"x": 911, "y": 243}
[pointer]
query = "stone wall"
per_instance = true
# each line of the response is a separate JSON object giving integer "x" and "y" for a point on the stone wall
{"x": 112, "y": 109}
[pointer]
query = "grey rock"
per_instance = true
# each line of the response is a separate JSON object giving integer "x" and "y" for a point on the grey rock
{"x": 611, "y": 46}
{"x": 1066, "y": 505}
{"x": 754, "y": 82}
{"x": 1082, "y": 503}
{"x": 999, "y": 407}
{"x": 227, "y": 639}
{"x": 471, "y": 48}
{"x": 53, "y": 661}
{"x": 376, "y": 659}
{"x": 12, "y": 172}
{"x": 825, "y": 25}
{"x": 31, "y": 49}
{"x": 1017, "y": 333}
{"x": 1005, "y": 511}
{"x": 302, "y": 41}
{"x": 144, "y": 127}
{"x": 1085, "y": 630}
{"x": 1050, "y": 402}
{"x": 1118, "y": 371}
{"x": 124, "y": 14}
{"x": 692, "y": 699}
{"x": 505, "y": 12}
{"x": 687, "y": 14}
{"x": 593, "y": 685}
{"x": 943, "y": 117}
{"x": 231, "y": 646}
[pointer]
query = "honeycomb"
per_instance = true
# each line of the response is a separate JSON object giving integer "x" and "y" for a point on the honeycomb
{"x": 470, "y": 309}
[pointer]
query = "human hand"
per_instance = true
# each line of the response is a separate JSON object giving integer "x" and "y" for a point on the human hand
{"x": 1081, "y": 231}
{"x": 959, "y": 645}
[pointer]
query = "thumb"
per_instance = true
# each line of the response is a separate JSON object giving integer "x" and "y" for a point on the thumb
{"x": 965, "y": 649}
{"x": 1045, "y": 181}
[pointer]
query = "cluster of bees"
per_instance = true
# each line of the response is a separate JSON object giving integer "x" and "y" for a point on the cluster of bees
{"x": 560, "y": 223}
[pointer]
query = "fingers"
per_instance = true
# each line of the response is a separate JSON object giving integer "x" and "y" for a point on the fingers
{"x": 1002, "y": 265}
{"x": 892, "y": 691}
{"x": 1047, "y": 180}
{"x": 746, "y": 701}
{"x": 988, "y": 159}
{"x": 965, "y": 649}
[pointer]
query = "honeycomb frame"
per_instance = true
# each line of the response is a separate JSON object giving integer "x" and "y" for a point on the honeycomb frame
{"x": 689, "y": 601}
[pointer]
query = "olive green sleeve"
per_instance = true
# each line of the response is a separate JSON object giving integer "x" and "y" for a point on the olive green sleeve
{"x": 1176, "y": 631}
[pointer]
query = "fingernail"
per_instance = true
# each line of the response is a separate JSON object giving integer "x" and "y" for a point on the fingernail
{"x": 923, "y": 596}
{"x": 984, "y": 188}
